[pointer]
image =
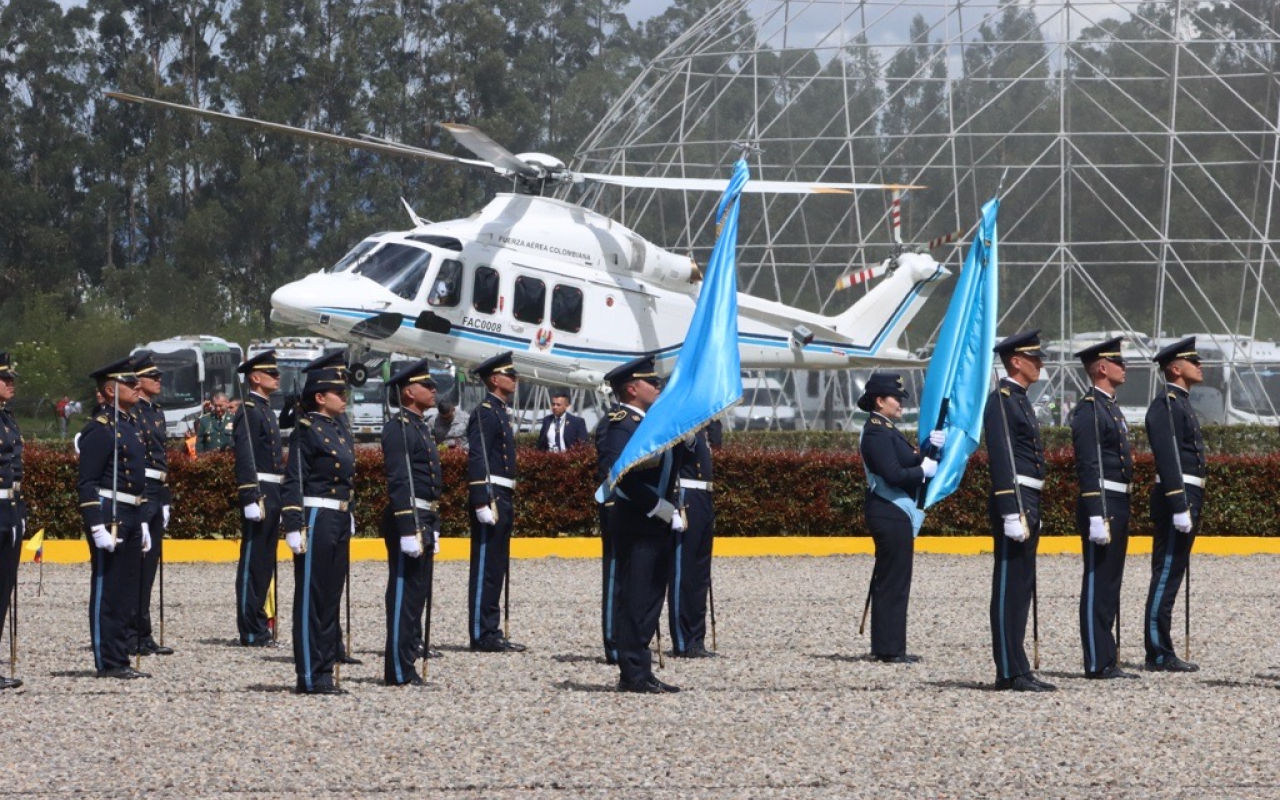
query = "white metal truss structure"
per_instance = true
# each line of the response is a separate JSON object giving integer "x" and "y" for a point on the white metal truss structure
{"x": 1137, "y": 143}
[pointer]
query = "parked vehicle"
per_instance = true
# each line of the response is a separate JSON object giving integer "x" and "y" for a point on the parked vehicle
{"x": 194, "y": 368}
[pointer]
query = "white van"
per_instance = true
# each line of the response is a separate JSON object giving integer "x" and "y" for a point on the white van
{"x": 764, "y": 406}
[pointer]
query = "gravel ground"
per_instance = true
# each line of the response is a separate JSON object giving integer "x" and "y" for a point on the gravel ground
{"x": 794, "y": 709}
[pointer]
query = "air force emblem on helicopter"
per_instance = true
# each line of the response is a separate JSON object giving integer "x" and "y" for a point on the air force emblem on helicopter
{"x": 467, "y": 288}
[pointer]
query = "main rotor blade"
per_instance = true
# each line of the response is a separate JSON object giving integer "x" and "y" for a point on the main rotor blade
{"x": 380, "y": 146}
{"x": 752, "y": 187}
{"x": 412, "y": 151}
{"x": 477, "y": 142}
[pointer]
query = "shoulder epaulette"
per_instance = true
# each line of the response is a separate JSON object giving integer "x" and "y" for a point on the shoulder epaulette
{"x": 1004, "y": 390}
{"x": 876, "y": 421}
{"x": 1088, "y": 399}
{"x": 486, "y": 404}
{"x": 305, "y": 422}
{"x": 635, "y": 418}
{"x": 102, "y": 420}
{"x": 1173, "y": 395}
{"x": 618, "y": 416}
{"x": 249, "y": 403}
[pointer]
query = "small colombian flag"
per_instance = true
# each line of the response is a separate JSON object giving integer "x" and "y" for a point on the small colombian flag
{"x": 36, "y": 545}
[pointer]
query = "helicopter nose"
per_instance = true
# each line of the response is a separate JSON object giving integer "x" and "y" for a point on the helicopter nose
{"x": 298, "y": 302}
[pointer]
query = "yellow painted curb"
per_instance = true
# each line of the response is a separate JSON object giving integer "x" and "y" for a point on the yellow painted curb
{"x": 64, "y": 551}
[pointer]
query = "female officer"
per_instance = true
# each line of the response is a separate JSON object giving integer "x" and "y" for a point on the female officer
{"x": 318, "y": 522}
{"x": 895, "y": 472}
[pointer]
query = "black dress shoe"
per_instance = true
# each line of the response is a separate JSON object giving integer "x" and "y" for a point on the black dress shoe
{"x": 323, "y": 688}
{"x": 1031, "y": 676}
{"x": 1172, "y": 664}
{"x": 9, "y": 683}
{"x": 123, "y": 673}
{"x": 1023, "y": 683}
{"x": 665, "y": 687}
{"x": 1108, "y": 674}
{"x": 647, "y": 686}
{"x": 698, "y": 651}
{"x": 152, "y": 648}
{"x": 346, "y": 659}
{"x": 489, "y": 646}
{"x": 905, "y": 658}
{"x": 513, "y": 647}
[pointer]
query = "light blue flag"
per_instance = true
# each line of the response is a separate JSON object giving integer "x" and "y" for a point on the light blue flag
{"x": 960, "y": 370}
{"x": 707, "y": 377}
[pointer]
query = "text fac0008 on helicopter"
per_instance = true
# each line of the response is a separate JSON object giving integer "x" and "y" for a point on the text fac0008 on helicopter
{"x": 571, "y": 292}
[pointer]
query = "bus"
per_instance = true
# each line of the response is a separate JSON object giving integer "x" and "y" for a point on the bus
{"x": 292, "y": 354}
{"x": 194, "y": 367}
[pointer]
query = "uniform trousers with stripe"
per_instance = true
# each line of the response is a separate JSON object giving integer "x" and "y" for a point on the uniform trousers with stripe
{"x": 258, "y": 543}
{"x": 319, "y": 576}
{"x": 608, "y": 585}
{"x": 1013, "y": 583}
{"x": 408, "y": 590}
{"x": 10, "y": 556}
{"x": 1100, "y": 583}
{"x": 891, "y": 579}
{"x": 490, "y": 559}
{"x": 691, "y": 579}
{"x": 1170, "y": 555}
{"x": 141, "y": 629}
{"x": 114, "y": 583}
{"x": 644, "y": 549}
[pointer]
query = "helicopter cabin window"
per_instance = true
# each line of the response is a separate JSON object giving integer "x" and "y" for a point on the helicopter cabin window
{"x": 530, "y": 300}
{"x": 566, "y": 308}
{"x": 484, "y": 290}
{"x": 447, "y": 289}
{"x": 397, "y": 267}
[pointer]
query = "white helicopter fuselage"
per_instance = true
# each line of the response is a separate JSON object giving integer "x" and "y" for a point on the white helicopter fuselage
{"x": 573, "y": 294}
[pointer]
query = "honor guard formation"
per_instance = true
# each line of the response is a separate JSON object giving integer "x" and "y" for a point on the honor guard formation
{"x": 657, "y": 523}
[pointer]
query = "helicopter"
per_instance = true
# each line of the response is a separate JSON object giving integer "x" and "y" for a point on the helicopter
{"x": 572, "y": 293}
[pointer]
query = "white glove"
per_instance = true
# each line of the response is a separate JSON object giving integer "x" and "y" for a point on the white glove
{"x": 1182, "y": 521}
{"x": 677, "y": 522}
{"x": 435, "y": 542}
{"x": 410, "y": 547}
{"x": 929, "y": 467}
{"x": 164, "y": 512}
{"x": 663, "y": 511}
{"x": 146, "y": 538}
{"x": 1098, "y": 532}
{"x": 294, "y": 540}
{"x": 484, "y": 515}
{"x": 102, "y": 538}
{"x": 253, "y": 512}
{"x": 938, "y": 438}
{"x": 1013, "y": 528}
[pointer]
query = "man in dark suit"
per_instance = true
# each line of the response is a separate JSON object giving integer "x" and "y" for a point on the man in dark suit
{"x": 560, "y": 429}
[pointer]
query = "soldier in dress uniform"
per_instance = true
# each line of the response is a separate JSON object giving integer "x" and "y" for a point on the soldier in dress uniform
{"x": 641, "y": 521}
{"x": 114, "y": 508}
{"x": 491, "y": 475}
{"x": 215, "y": 428}
{"x": 1104, "y": 465}
{"x": 691, "y": 579}
{"x": 318, "y": 521}
{"x": 13, "y": 512}
{"x": 1176, "y": 498}
{"x": 159, "y": 498}
{"x": 1016, "y": 456}
{"x": 608, "y": 555}
{"x": 411, "y": 522}
{"x": 259, "y": 479}
{"x": 896, "y": 470}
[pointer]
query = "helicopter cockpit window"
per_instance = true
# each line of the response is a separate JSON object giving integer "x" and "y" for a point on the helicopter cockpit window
{"x": 484, "y": 294}
{"x": 447, "y": 289}
{"x": 566, "y": 308}
{"x": 530, "y": 299}
{"x": 398, "y": 267}
{"x": 354, "y": 257}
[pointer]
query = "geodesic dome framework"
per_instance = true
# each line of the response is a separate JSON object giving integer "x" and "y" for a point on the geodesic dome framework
{"x": 1137, "y": 144}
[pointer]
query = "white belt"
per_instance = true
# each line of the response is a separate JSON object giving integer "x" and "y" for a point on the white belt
{"x": 267, "y": 477}
{"x": 1113, "y": 486}
{"x": 1029, "y": 482}
{"x": 426, "y": 505}
{"x": 127, "y": 499}
{"x": 157, "y": 474}
{"x": 325, "y": 502}
{"x": 8, "y": 494}
{"x": 1189, "y": 480}
{"x": 506, "y": 483}
{"x": 689, "y": 483}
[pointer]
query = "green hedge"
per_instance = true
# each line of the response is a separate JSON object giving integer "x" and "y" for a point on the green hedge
{"x": 762, "y": 492}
